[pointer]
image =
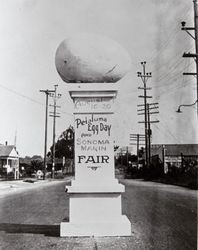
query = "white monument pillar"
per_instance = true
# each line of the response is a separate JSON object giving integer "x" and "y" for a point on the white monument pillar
{"x": 95, "y": 194}
{"x": 92, "y": 65}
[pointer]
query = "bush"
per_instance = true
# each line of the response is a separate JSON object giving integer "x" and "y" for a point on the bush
{"x": 58, "y": 175}
{"x": 29, "y": 180}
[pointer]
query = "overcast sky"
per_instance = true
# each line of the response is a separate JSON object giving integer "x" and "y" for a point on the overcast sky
{"x": 31, "y": 31}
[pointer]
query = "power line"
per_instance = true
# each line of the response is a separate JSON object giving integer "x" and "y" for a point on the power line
{"x": 29, "y": 98}
{"x": 21, "y": 95}
{"x": 174, "y": 84}
{"x": 176, "y": 77}
{"x": 168, "y": 129}
{"x": 174, "y": 70}
{"x": 170, "y": 37}
{"x": 183, "y": 83}
{"x": 176, "y": 55}
{"x": 160, "y": 51}
{"x": 170, "y": 90}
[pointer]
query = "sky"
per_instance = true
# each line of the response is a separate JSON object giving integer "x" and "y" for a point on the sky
{"x": 31, "y": 31}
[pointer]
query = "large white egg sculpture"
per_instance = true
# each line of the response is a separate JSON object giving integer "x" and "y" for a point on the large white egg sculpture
{"x": 89, "y": 58}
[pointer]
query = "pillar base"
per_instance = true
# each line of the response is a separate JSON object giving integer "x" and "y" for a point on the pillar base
{"x": 96, "y": 211}
{"x": 117, "y": 227}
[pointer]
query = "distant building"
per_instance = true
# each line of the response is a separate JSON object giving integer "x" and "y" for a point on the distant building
{"x": 175, "y": 154}
{"x": 123, "y": 150}
{"x": 9, "y": 161}
{"x": 168, "y": 154}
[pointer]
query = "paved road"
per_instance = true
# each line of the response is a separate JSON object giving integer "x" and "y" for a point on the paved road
{"x": 162, "y": 217}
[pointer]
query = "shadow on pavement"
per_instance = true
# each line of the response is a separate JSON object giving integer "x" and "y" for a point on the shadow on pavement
{"x": 47, "y": 230}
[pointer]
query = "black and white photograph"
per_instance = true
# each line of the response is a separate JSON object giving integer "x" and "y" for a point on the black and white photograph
{"x": 99, "y": 124}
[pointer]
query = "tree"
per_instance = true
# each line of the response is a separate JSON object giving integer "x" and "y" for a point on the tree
{"x": 36, "y": 165}
{"x": 37, "y": 157}
{"x": 64, "y": 147}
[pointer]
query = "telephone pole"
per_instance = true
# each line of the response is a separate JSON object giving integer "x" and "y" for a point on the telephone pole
{"x": 47, "y": 92}
{"x": 195, "y": 37}
{"x": 151, "y": 106}
{"x": 54, "y": 114}
{"x": 144, "y": 77}
{"x": 137, "y": 139}
{"x": 127, "y": 156}
{"x": 147, "y": 111}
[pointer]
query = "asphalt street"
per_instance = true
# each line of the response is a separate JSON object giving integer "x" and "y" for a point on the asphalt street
{"x": 162, "y": 217}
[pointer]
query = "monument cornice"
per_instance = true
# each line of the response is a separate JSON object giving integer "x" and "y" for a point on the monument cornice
{"x": 93, "y": 90}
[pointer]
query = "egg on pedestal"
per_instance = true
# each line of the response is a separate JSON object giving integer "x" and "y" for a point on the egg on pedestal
{"x": 91, "y": 58}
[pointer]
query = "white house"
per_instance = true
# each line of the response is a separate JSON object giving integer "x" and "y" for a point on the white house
{"x": 9, "y": 161}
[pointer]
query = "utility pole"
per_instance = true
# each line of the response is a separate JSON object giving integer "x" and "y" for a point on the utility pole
{"x": 127, "y": 156}
{"x": 151, "y": 106}
{"x": 121, "y": 159}
{"x": 138, "y": 142}
{"x": 149, "y": 135}
{"x": 137, "y": 139}
{"x": 54, "y": 114}
{"x": 195, "y": 37}
{"x": 47, "y": 92}
{"x": 144, "y": 77}
{"x": 146, "y": 112}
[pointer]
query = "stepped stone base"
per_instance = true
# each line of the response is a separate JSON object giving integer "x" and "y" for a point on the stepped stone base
{"x": 118, "y": 227}
{"x": 96, "y": 211}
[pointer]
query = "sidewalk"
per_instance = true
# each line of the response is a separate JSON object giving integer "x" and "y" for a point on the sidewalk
{"x": 12, "y": 186}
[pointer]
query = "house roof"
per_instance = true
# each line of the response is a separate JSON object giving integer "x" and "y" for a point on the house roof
{"x": 178, "y": 149}
{"x": 185, "y": 149}
{"x": 5, "y": 150}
